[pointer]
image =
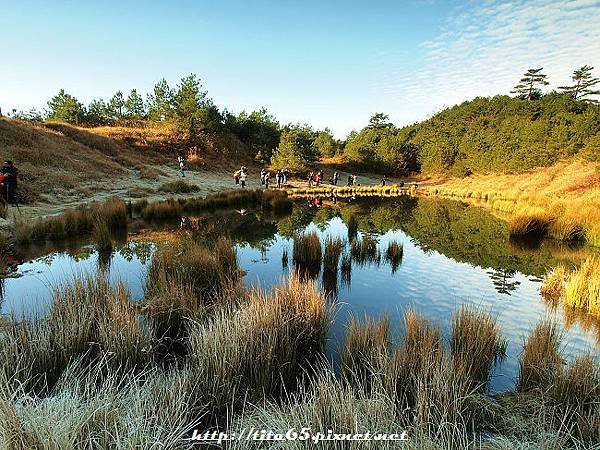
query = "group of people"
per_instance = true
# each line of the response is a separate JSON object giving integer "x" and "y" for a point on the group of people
{"x": 8, "y": 183}
{"x": 315, "y": 178}
{"x": 281, "y": 178}
{"x": 240, "y": 176}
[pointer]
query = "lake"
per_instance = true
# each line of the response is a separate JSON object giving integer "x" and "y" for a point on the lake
{"x": 453, "y": 254}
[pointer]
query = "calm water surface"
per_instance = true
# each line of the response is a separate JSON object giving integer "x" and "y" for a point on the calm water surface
{"x": 454, "y": 254}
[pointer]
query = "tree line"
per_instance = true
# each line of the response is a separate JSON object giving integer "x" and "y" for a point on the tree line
{"x": 532, "y": 128}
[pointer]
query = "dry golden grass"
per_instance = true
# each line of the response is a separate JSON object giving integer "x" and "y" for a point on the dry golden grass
{"x": 561, "y": 200}
{"x": 579, "y": 288}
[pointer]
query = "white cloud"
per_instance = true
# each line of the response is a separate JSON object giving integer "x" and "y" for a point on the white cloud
{"x": 484, "y": 48}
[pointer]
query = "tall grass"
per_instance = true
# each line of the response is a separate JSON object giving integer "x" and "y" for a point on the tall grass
{"x": 476, "y": 344}
{"x": 307, "y": 253}
{"x": 73, "y": 222}
{"x": 365, "y": 347}
{"x": 332, "y": 254}
{"x": 541, "y": 361}
{"x": 579, "y": 288}
{"x": 260, "y": 348}
{"x": 208, "y": 271}
{"x": 178, "y": 187}
{"x": 88, "y": 318}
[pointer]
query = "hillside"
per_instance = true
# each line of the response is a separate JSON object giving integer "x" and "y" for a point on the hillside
{"x": 498, "y": 134}
{"x": 62, "y": 165}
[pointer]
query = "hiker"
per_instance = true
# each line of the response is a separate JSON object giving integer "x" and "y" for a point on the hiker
{"x": 263, "y": 172}
{"x": 279, "y": 178}
{"x": 267, "y": 179}
{"x": 285, "y": 176}
{"x": 9, "y": 184}
{"x": 354, "y": 180}
{"x": 401, "y": 184}
{"x": 236, "y": 176}
{"x": 181, "y": 161}
{"x": 350, "y": 179}
{"x": 310, "y": 179}
{"x": 321, "y": 174}
{"x": 383, "y": 180}
{"x": 243, "y": 179}
{"x": 334, "y": 178}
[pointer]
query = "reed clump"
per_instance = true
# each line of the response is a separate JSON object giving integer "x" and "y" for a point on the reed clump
{"x": 541, "y": 361}
{"x": 88, "y": 318}
{"x": 178, "y": 187}
{"x": 394, "y": 254}
{"x": 73, "y": 222}
{"x": 307, "y": 253}
{"x": 579, "y": 288}
{"x": 332, "y": 254}
{"x": 476, "y": 344}
{"x": 258, "y": 349}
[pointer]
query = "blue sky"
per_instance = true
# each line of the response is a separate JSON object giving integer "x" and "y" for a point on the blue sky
{"x": 326, "y": 63}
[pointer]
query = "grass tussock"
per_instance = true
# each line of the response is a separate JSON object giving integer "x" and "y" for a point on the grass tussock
{"x": 307, "y": 253}
{"x": 259, "y": 348}
{"x": 579, "y": 288}
{"x": 208, "y": 271}
{"x": 393, "y": 255}
{"x": 88, "y": 318}
{"x": 170, "y": 208}
{"x": 541, "y": 361}
{"x": 178, "y": 187}
{"x": 112, "y": 213}
{"x": 332, "y": 254}
{"x": 570, "y": 390}
{"x": 476, "y": 344}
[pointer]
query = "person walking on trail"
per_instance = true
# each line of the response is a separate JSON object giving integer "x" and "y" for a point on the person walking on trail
{"x": 285, "y": 176}
{"x": 279, "y": 178}
{"x": 310, "y": 179}
{"x": 384, "y": 180}
{"x": 267, "y": 179}
{"x": 334, "y": 178}
{"x": 354, "y": 180}
{"x": 350, "y": 179}
{"x": 263, "y": 172}
{"x": 243, "y": 179}
{"x": 9, "y": 185}
{"x": 236, "y": 176}
{"x": 181, "y": 161}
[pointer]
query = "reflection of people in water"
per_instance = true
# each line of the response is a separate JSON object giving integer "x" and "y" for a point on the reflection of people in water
{"x": 315, "y": 203}
{"x": 242, "y": 211}
{"x": 334, "y": 199}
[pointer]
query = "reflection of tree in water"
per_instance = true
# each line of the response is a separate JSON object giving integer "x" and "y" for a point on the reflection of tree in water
{"x": 136, "y": 249}
{"x": 503, "y": 280}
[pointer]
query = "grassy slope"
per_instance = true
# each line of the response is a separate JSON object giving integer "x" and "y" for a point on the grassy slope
{"x": 62, "y": 165}
{"x": 566, "y": 194}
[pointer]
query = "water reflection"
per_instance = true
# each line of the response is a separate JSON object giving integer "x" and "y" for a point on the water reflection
{"x": 427, "y": 254}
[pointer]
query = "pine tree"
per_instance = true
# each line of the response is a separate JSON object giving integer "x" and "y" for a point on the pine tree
{"x": 65, "y": 108}
{"x": 527, "y": 88}
{"x": 160, "y": 102}
{"x": 134, "y": 105}
{"x": 116, "y": 106}
{"x": 584, "y": 82}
